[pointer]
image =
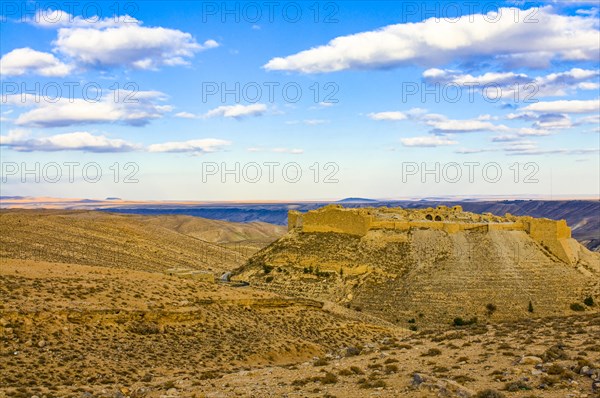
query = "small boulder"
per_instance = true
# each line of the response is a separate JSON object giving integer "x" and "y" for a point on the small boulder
{"x": 530, "y": 360}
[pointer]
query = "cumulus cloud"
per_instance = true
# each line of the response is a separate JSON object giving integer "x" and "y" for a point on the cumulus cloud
{"x": 565, "y": 106}
{"x": 20, "y": 140}
{"x": 509, "y": 35}
{"x": 441, "y": 124}
{"x": 23, "y": 61}
{"x": 94, "y": 42}
{"x": 427, "y": 141}
{"x": 200, "y": 146}
{"x": 186, "y": 115}
{"x": 237, "y": 111}
{"x": 518, "y": 86}
{"x": 129, "y": 45}
{"x": 470, "y": 151}
{"x": 553, "y": 121}
{"x": 393, "y": 115}
{"x": 138, "y": 110}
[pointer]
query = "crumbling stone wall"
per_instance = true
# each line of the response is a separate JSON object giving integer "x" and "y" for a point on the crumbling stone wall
{"x": 336, "y": 219}
{"x": 553, "y": 235}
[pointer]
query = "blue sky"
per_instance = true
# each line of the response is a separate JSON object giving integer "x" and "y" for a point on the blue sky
{"x": 398, "y": 99}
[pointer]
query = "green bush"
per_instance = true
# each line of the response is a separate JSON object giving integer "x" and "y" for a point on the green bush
{"x": 458, "y": 321}
{"x": 267, "y": 268}
{"x": 589, "y": 301}
{"x": 530, "y": 307}
{"x": 432, "y": 352}
{"x": 329, "y": 378}
{"x": 489, "y": 393}
{"x": 577, "y": 307}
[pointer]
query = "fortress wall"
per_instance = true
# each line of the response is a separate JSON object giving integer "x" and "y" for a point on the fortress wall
{"x": 294, "y": 219}
{"x": 336, "y": 220}
{"x": 552, "y": 234}
{"x": 516, "y": 226}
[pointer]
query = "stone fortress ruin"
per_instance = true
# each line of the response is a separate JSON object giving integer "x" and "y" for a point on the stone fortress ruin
{"x": 553, "y": 235}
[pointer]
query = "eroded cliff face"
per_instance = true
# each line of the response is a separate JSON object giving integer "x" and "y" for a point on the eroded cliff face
{"x": 424, "y": 272}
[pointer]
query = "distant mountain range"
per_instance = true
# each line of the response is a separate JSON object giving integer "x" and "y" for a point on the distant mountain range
{"x": 583, "y": 216}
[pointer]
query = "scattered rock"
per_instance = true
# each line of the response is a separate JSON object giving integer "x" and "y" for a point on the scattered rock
{"x": 41, "y": 343}
{"x": 530, "y": 360}
{"x": 418, "y": 379}
{"x": 350, "y": 352}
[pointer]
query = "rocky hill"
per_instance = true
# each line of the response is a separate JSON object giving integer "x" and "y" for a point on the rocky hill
{"x": 417, "y": 275}
{"x": 244, "y": 237}
{"x": 113, "y": 240}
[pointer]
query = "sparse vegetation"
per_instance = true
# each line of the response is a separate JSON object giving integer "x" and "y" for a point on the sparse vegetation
{"x": 122, "y": 332}
{"x": 489, "y": 393}
{"x": 462, "y": 322}
{"x": 577, "y": 307}
{"x": 432, "y": 352}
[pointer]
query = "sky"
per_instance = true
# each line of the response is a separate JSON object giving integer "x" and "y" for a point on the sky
{"x": 299, "y": 100}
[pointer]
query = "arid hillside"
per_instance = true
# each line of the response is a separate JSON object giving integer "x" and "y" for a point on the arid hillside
{"x": 244, "y": 237}
{"x": 89, "y": 309}
{"x": 104, "y": 239}
{"x": 66, "y": 329}
{"x": 425, "y": 277}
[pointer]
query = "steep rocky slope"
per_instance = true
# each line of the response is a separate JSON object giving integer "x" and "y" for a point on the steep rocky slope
{"x": 425, "y": 277}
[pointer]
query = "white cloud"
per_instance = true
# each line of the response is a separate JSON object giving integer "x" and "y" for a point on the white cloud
{"x": 22, "y": 61}
{"x": 440, "y": 124}
{"x": 129, "y": 45}
{"x": 315, "y": 122}
{"x": 205, "y": 145}
{"x": 463, "y": 126}
{"x": 565, "y": 106}
{"x": 520, "y": 146}
{"x": 519, "y": 87}
{"x": 506, "y": 36}
{"x": 469, "y": 151}
{"x": 103, "y": 42}
{"x": 505, "y": 138}
{"x": 427, "y": 141}
{"x": 138, "y": 110}
{"x": 589, "y": 120}
{"x": 393, "y": 115}
{"x": 525, "y": 131}
{"x": 553, "y": 121}
{"x": 237, "y": 111}
{"x": 186, "y": 115}
{"x": 19, "y": 140}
